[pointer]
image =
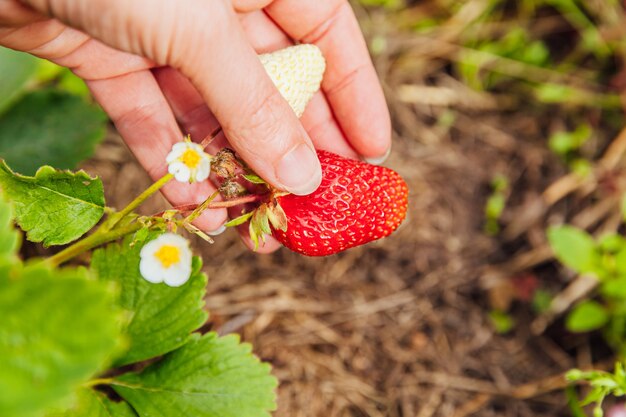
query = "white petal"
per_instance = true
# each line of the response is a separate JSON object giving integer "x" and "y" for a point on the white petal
{"x": 150, "y": 270}
{"x": 176, "y": 280}
{"x": 197, "y": 147}
{"x": 174, "y": 239}
{"x": 175, "y": 166}
{"x": 180, "y": 147}
{"x": 203, "y": 171}
{"x": 183, "y": 174}
{"x": 178, "y": 276}
{"x": 149, "y": 248}
{"x": 174, "y": 155}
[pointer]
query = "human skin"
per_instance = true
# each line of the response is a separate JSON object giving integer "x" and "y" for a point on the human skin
{"x": 160, "y": 68}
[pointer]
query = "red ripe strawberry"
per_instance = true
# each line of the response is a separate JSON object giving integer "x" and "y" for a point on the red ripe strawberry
{"x": 356, "y": 203}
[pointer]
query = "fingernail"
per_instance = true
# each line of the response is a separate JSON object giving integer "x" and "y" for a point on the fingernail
{"x": 217, "y": 231}
{"x": 299, "y": 170}
{"x": 379, "y": 160}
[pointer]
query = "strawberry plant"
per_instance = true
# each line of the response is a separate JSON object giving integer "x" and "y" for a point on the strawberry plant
{"x": 604, "y": 259}
{"x": 74, "y": 341}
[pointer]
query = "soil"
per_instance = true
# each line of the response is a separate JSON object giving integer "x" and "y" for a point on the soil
{"x": 401, "y": 327}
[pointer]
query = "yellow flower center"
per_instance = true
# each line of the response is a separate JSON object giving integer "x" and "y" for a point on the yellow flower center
{"x": 168, "y": 255}
{"x": 191, "y": 158}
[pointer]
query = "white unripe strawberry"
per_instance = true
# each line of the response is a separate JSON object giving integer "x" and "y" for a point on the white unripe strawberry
{"x": 297, "y": 72}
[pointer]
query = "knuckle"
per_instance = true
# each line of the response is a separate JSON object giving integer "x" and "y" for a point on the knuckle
{"x": 205, "y": 25}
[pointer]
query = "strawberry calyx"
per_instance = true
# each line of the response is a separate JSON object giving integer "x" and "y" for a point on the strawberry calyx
{"x": 263, "y": 218}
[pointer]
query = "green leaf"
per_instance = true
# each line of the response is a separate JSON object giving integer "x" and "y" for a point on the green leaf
{"x": 90, "y": 403}
{"x": 16, "y": 69}
{"x": 615, "y": 288}
{"x": 58, "y": 328}
{"x": 162, "y": 317}
{"x": 620, "y": 261}
{"x": 501, "y": 321}
{"x": 53, "y": 207}
{"x": 9, "y": 237}
{"x": 611, "y": 243}
{"x": 575, "y": 248}
{"x": 208, "y": 377}
{"x": 50, "y": 128}
{"x": 586, "y": 316}
{"x": 563, "y": 142}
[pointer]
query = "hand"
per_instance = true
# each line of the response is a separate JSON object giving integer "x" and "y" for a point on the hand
{"x": 155, "y": 64}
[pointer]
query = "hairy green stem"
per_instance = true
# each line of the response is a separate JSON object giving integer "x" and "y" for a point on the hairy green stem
{"x": 92, "y": 241}
{"x": 198, "y": 210}
{"x": 117, "y": 217}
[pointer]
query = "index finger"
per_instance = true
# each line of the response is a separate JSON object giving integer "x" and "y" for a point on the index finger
{"x": 350, "y": 83}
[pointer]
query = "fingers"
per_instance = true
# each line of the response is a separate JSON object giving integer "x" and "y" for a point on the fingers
{"x": 212, "y": 51}
{"x": 322, "y": 127}
{"x": 13, "y": 13}
{"x": 350, "y": 82}
{"x": 243, "y": 6}
{"x": 144, "y": 119}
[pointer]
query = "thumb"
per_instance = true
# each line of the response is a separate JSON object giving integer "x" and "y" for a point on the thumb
{"x": 204, "y": 41}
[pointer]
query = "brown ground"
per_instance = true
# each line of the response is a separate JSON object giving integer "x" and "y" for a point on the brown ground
{"x": 400, "y": 327}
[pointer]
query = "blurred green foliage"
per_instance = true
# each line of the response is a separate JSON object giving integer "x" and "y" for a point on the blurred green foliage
{"x": 602, "y": 384}
{"x": 496, "y": 203}
{"x": 604, "y": 259}
{"x": 46, "y": 115}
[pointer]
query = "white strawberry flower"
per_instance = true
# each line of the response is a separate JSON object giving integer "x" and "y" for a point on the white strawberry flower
{"x": 166, "y": 259}
{"x": 188, "y": 162}
{"x": 297, "y": 72}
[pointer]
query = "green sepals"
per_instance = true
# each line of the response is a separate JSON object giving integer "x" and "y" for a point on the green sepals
{"x": 162, "y": 317}
{"x": 255, "y": 232}
{"x": 259, "y": 225}
{"x": 587, "y": 316}
{"x": 53, "y": 207}
{"x": 50, "y": 128}
{"x": 254, "y": 179}
{"x": 210, "y": 376}
{"x": 575, "y": 248}
{"x": 58, "y": 328}
{"x": 277, "y": 216}
{"x": 90, "y": 403}
{"x": 265, "y": 215}
{"x": 263, "y": 222}
{"x": 237, "y": 221}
